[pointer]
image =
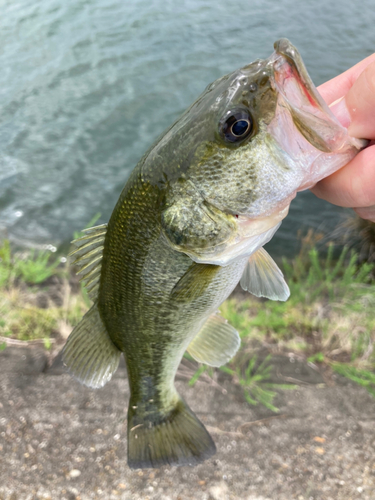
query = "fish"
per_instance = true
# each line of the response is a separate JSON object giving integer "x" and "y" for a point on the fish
{"x": 191, "y": 223}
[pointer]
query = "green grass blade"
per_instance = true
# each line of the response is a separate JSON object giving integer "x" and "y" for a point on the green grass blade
{"x": 197, "y": 374}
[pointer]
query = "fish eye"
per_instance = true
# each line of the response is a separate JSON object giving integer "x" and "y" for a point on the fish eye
{"x": 236, "y": 125}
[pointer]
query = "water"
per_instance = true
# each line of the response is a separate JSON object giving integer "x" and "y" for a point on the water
{"x": 86, "y": 87}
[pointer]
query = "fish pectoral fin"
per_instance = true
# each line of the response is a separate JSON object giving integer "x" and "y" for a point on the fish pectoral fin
{"x": 216, "y": 343}
{"x": 263, "y": 278}
{"x": 87, "y": 253}
{"x": 89, "y": 353}
{"x": 194, "y": 282}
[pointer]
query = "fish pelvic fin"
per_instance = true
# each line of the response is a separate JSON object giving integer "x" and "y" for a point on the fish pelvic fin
{"x": 89, "y": 353}
{"x": 178, "y": 438}
{"x": 216, "y": 343}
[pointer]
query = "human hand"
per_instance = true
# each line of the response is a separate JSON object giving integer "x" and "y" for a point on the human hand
{"x": 353, "y": 96}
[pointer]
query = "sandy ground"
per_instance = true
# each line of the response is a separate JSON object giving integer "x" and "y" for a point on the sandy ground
{"x": 62, "y": 441}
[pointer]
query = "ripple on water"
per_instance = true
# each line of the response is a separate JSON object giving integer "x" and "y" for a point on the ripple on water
{"x": 86, "y": 87}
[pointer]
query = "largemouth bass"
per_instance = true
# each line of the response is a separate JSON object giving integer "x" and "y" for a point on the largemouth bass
{"x": 190, "y": 224}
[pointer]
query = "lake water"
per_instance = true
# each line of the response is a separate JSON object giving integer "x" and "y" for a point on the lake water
{"x": 86, "y": 87}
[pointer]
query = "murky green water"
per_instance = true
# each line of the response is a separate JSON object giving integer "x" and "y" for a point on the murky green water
{"x": 86, "y": 86}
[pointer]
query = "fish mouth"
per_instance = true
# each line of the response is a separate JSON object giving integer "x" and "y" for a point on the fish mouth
{"x": 310, "y": 113}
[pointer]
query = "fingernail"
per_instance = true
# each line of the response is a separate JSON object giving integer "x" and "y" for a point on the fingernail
{"x": 341, "y": 112}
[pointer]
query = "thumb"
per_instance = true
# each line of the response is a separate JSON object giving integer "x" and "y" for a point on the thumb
{"x": 357, "y": 109}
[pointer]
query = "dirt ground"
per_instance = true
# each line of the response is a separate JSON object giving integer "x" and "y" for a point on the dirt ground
{"x": 62, "y": 441}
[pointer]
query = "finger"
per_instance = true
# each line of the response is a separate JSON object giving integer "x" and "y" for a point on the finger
{"x": 353, "y": 185}
{"x": 340, "y": 85}
{"x": 366, "y": 213}
{"x": 356, "y": 110}
{"x": 360, "y": 104}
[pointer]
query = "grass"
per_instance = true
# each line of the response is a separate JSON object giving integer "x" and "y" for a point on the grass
{"x": 330, "y": 310}
{"x": 363, "y": 378}
{"x": 253, "y": 378}
{"x": 27, "y": 311}
{"x": 329, "y": 318}
{"x": 36, "y": 267}
{"x": 359, "y": 234}
{"x": 37, "y": 302}
{"x": 32, "y": 268}
{"x": 29, "y": 314}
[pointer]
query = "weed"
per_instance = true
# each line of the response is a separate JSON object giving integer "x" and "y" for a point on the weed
{"x": 29, "y": 323}
{"x": 316, "y": 358}
{"x": 91, "y": 223}
{"x": 358, "y": 233}
{"x": 47, "y": 343}
{"x": 363, "y": 378}
{"x": 253, "y": 379}
{"x": 329, "y": 299}
{"x": 330, "y": 315}
{"x": 22, "y": 319}
{"x": 35, "y": 268}
{"x": 32, "y": 268}
{"x": 6, "y": 268}
{"x": 197, "y": 374}
{"x": 314, "y": 278}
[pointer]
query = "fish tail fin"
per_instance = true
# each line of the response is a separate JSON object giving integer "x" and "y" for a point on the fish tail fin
{"x": 89, "y": 353}
{"x": 178, "y": 438}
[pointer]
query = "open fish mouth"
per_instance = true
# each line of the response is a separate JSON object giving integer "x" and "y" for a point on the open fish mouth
{"x": 310, "y": 113}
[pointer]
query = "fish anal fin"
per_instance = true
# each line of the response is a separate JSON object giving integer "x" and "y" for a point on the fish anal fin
{"x": 89, "y": 353}
{"x": 216, "y": 343}
{"x": 263, "y": 278}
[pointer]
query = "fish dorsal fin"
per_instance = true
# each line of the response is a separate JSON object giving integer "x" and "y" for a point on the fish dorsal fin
{"x": 216, "y": 343}
{"x": 263, "y": 278}
{"x": 87, "y": 253}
